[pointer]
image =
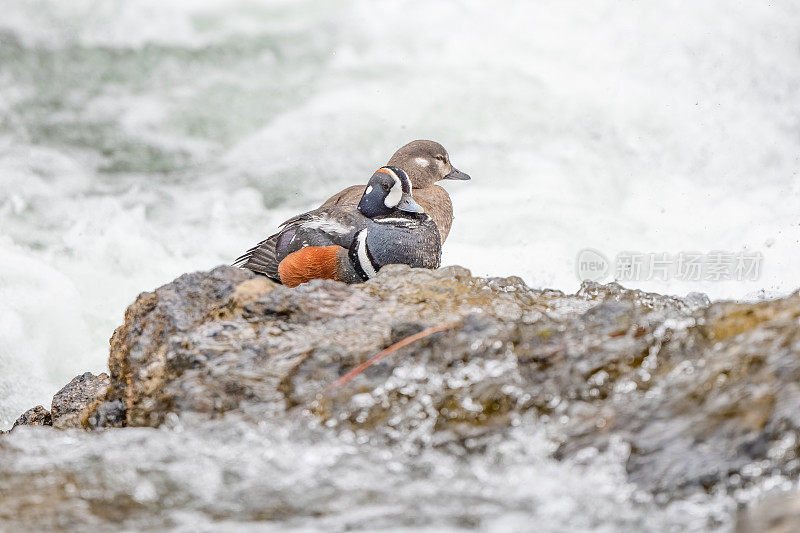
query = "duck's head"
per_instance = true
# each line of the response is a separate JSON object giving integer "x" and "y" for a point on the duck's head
{"x": 388, "y": 189}
{"x": 426, "y": 162}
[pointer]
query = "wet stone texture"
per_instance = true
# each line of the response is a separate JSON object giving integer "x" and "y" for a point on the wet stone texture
{"x": 705, "y": 396}
{"x": 72, "y": 404}
{"x": 35, "y": 416}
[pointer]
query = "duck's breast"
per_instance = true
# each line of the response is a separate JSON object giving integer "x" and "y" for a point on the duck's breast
{"x": 411, "y": 242}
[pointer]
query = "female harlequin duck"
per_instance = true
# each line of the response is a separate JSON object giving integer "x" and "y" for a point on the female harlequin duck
{"x": 335, "y": 242}
{"x": 425, "y": 162}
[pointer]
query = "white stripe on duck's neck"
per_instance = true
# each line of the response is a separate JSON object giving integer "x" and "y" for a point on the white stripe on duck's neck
{"x": 363, "y": 257}
{"x": 394, "y": 220}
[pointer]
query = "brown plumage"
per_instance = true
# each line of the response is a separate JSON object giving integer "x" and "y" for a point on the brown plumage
{"x": 425, "y": 162}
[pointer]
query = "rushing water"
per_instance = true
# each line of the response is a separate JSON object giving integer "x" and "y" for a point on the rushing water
{"x": 140, "y": 140}
{"x": 232, "y": 476}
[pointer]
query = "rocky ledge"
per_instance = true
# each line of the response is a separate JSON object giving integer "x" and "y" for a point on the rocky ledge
{"x": 703, "y": 397}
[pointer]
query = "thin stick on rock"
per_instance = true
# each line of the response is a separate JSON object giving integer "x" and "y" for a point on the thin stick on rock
{"x": 393, "y": 348}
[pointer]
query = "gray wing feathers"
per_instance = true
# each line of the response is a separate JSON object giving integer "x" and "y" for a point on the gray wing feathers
{"x": 321, "y": 227}
{"x": 261, "y": 258}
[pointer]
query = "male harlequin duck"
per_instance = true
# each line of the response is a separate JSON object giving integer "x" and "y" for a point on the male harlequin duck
{"x": 351, "y": 245}
{"x": 425, "y": 162}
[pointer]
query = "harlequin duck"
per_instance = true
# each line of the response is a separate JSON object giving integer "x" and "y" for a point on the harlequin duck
{"x": 351, "y": 245}
{"x": 425, "y": 162}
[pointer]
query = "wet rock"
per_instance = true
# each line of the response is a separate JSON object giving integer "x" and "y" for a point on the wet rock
{"x": 724, "y": 410}
{"x": 36, "y": 416}
{"x": 704, "y": 396}
{"x": 72, "y": 403}
{"x": 138, "y": 361}
{"x": 106, "y": 415}
{"x": 210, "y": 343}
{"x": 698, "y": 392}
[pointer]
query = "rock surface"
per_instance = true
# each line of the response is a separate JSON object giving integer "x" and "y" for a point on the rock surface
{"x": 698, "y": 392}
{"x": 72, "y": 404}
{"x": 702, "y": 397}
{"x": 35, "y": 416}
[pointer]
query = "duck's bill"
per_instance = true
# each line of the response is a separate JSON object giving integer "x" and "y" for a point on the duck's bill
{"x": 408, "y": 205}
{"x": 456, "y": 174}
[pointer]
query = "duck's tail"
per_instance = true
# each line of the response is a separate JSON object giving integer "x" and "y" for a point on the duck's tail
{"x": 261, "y": 259}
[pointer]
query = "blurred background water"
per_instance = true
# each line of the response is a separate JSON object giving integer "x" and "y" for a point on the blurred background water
{"x": 140, "y": 140}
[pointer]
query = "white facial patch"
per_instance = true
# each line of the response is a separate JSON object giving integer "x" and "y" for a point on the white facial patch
{"x": 421, "y": 161}
{"x": 369, "y": 190}
{"x": 395, "y": 193}
{"x": 363, "y": 258}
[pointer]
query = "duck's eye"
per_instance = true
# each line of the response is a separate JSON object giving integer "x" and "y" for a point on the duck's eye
{"x": 386, "y": 187}
{"x": 441, "y": 158}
